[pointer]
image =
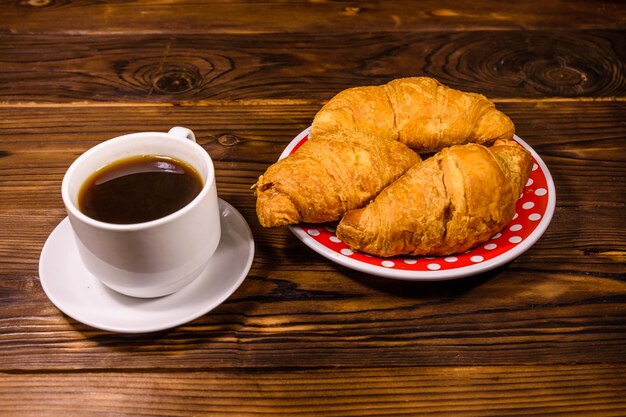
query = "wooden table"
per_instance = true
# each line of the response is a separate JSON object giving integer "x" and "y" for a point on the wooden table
{"x": 543, "y": 335}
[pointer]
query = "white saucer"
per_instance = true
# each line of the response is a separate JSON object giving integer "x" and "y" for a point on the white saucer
{"x": 80, "y": 295}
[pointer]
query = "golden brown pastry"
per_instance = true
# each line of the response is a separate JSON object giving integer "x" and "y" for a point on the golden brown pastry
{"x": 327, "y": 176}
{"x": 420, "y": 112}
{"x": 447, "y": 204}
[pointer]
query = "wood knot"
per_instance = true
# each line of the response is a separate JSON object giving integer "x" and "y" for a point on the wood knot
{"x": 526, "y": 64}
{"x": 565, "y": 76}
{"x": 220, "y": 146}
{"x": 228, "y": 140}
{"x": 555, "y": 75}
{"x": 176, "y": 79}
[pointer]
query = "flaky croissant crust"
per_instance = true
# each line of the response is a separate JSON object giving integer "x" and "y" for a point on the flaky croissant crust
{"x": 419, "y": 111}
{"x": 447, "y": 204}
{"x": 327, "y": 176}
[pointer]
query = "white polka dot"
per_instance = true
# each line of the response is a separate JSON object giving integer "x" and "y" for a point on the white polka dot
{"x": 496, "y": 236}
{"x": 515, "y": 239}
{"x": 528, "y": 205}
{"x": 529, "y": 182}
{"x": 515, "y": 227}
{"x": 451, "y": 259}
{"x": 433, "y": 267}
{"x": 410, "y": 261}
{"x": 335, "y": 239}
{"x": 346, "y": 252}
{"x": 429, "y": 257}
{"x": 490, "y": 246}
{"x": 535, "y": 166}
{"x": 388, "y": 264}
{"x": 515, "y": 216}
{"x": 330, "y": 229}
{"x": 477, "y": 258}
{"x": 313, "y": 232}
{"x": 534, "y": 217}
{"x": 541, "y": 191}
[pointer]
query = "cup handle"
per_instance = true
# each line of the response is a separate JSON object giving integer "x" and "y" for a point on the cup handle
{"x": 182, "y": 132}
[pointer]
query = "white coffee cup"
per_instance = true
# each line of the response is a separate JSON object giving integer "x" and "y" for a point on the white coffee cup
{"x": 157, "y": 257}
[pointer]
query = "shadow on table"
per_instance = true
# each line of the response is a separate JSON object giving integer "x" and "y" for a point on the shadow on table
{"x": 227, "y": 320}
{"x": 423, "y": 289}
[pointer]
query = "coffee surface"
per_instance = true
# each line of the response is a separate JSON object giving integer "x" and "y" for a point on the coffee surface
{"x": 139, "y": 189}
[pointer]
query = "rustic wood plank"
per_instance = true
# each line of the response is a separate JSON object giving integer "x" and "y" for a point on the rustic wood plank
{"x": 563, "y": 301}
{"x": 582, "y": 144}
{"x": 544, "y": 335}
{"x": 460, "y": 391}
{"x": 193, "y": 69}
{"x": 54, "y": 16}
{"x": 331, "y": 317}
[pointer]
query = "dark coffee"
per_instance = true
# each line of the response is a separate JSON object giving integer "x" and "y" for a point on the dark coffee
{"x": 139, "y": 189}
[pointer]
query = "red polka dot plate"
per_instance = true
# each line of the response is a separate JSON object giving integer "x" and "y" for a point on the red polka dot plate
{"x": 533, "y": 215}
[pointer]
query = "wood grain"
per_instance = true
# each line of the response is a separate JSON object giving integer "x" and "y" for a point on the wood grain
{"x": 459, "y": 391}
{"x": 318, "y": 16}
{"x": 563, "y": 301}
{"x": 333, "y": 318}
{"x": 581, "y": 142}
{"x": 194, "y": 69}
{"x": 543, "y": 335}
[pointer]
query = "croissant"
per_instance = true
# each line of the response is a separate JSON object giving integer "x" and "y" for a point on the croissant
{"x": 420, "y": 112}
{"x": 327, "y": 176}
{"x": 447, "y": 204}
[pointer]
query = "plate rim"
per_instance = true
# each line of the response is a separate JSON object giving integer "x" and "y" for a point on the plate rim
{"x": 440, "y": 275}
